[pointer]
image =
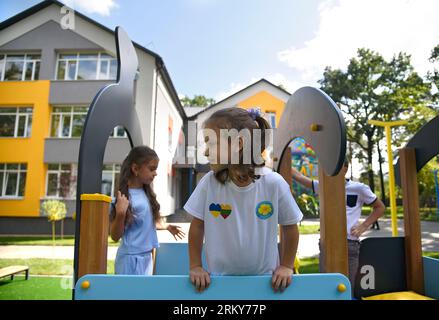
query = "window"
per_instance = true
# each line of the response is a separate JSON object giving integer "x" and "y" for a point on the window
{"x": 61, "y": 180}
{"x": 19, "y": 67}
{"x": 12, "y": 180}
{"x": 86, "y": 66}
{"x": 68, "y": 121}
{"x": 271, "y": 118}
{"x": 15, "y": 122}
{"x": 110, "y": 179}
{"x": 119, "y": 132}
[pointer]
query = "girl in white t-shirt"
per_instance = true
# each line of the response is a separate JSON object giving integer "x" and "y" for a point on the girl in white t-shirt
{"x": 238, "y": 205}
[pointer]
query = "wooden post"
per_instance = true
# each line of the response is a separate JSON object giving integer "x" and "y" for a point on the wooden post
{"x": 287, "y": 174}
{"x": 412, "y": 224}
{"x": 93, "y": 242}
{"x": 333, "y": 237}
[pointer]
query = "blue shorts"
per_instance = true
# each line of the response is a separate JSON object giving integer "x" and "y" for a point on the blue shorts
{"x": 134, "y": 264}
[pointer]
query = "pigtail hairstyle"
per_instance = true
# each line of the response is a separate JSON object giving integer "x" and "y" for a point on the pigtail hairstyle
{"x": 138, "y": 155}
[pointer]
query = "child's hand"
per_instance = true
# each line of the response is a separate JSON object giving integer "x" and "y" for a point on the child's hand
{"x": 122, "y": 204}
{"x": 358, "y": 230}
{"x": 281, "y": 278}
{"x": 199, "y": 278}
{"x": 176, "y": 231}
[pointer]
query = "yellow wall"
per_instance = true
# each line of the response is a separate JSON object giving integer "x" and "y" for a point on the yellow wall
{"x": 267, "y": 103}
{"x": 30, "y": 150}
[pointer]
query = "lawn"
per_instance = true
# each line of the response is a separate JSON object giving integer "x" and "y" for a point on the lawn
{"x": 427, "y": 214}
{"x": 70, "y": 240}
{"x": 57, "y": 267}
{"x": 52, "y": 287}
{"x": 309, "y": 228}
{"x": 36, "y": 288}
{"x": 42, "y": 241}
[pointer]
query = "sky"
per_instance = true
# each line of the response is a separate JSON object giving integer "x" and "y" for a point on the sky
{"x": 217, "y": 47}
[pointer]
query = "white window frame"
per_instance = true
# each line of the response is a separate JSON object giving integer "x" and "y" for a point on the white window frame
{"x": 62, "y": 114}
{"x": 25, "y": 61}
{"x": 115, "y": 168}
{"x": 271, "y": 118}
{"x": 72, "y": 113}
{"x": 78, "y": 58}
{"x": 114, "y": 135}
{"x": 4, "y": 182}
{"x": 19, "y": 114}
{"x": 59, "y": 171}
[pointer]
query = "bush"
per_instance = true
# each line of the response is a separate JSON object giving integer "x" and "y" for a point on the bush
{"x": 308, "y": 205}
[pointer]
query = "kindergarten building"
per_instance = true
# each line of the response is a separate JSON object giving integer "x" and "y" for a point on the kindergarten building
{"x": 263, "y": 95}
{"x": 48, "y": 78}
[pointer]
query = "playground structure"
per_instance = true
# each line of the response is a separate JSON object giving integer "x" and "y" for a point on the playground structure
{"x": 397, "y": 263}
{"x": 113, "y": 105}
{"x": 388, "y": 126}
{"x": 309, "y": 113}
{"x": 92, "y": 218}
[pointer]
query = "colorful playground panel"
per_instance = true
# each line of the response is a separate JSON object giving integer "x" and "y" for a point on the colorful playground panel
{"x": 329, "y": 286}
{"x": 171, "y": 282}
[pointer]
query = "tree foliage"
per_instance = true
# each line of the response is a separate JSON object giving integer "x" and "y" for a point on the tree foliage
{"x": 373, "y": 88}
{"x": 197, "y": 101}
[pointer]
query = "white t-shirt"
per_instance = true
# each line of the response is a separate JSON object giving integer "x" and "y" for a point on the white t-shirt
{"x": 357, "y": 194}
{"x": 241, "y": 223}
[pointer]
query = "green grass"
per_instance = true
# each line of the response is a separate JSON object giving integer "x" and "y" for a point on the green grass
{"x": 70, "y": 240}
{"x": 58, "y": 267}
{"x": 309, "y": 265}
{"x": 431, "y": 254}
{"x": 427, "y": 214}
{"x": 42, "y": 241}
{"x": 36, "y": 288}
{"x": 309, "y": 229}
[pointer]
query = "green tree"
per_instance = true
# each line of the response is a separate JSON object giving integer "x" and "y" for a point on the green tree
{"x": 433, "y": 76}
{"x": 197, "y": 101}
{"x": 373, "y": 88}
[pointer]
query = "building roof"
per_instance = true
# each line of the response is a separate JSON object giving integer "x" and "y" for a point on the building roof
{"x": 159, "y": 61}
{"x": 190, "y": 111}
{"x": 236, "y": 93}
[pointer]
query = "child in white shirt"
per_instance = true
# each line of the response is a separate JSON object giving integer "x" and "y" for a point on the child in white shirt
{"x": 237, "y": 209}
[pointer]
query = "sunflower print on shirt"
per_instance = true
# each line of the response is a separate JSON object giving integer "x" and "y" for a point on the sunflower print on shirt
{"x": 264, "y": 210}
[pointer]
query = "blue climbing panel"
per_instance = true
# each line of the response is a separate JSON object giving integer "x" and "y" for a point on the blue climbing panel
{"x": 171, "y": 282}
{"x": 179, "y": 287}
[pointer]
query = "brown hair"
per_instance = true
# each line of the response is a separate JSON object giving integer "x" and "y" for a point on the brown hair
{"x": 238, "y": 118}
{"x": 138, "y": 155}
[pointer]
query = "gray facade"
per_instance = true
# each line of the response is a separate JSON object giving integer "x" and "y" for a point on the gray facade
{"x": 35, "y": 226}
{"x": 49, "y": 39}
{"x": 38, "y": 31}
{"x": 61, "y": 150}
{"x": 68, "y": 92}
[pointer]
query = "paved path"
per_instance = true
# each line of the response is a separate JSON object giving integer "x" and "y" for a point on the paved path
{"x": 308, "y": 244}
